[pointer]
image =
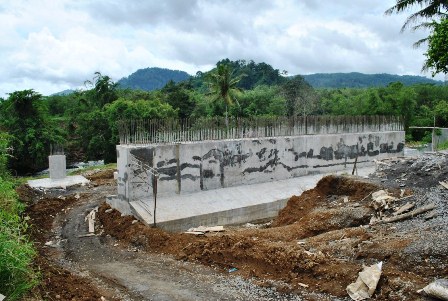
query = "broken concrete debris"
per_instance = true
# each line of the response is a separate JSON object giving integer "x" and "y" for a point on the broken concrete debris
{"x": 382, "y": 199}
{"x": 406, "y": 207}
{"x": 364, "y": 287}
{"x": 437, "y": 289}
{"x": 201, "y": 230}
{"x": 90, "y": 218}
{"x": 444, "y": 184}
{"x": 406, "y": 215}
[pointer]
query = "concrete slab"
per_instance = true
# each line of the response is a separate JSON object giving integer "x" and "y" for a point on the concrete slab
{"x": 225, "y": 206}
{"x": 60, "y": 183}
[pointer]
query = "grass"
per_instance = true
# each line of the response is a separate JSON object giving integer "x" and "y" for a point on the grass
{"x": 442, "y": 146}
{"x": 100, "y": 167}
{"x": 16, "y": 251}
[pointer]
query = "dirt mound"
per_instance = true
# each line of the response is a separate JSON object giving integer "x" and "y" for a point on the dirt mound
{"x": 320, "y": 240}
{"x": 299, "y": 206}
{"x": 127, "y": 229}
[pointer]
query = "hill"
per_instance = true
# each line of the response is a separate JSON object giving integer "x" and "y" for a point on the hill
{"x": 361, "y": 80}
{"x": 63, "y": 93}
{"x": 152, "y": 78}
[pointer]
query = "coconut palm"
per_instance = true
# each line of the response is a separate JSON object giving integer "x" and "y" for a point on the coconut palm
{"x": 430, "y": 9}
{"x": 222, "y": 85}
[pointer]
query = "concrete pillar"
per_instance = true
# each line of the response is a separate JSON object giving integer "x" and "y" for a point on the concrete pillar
{"x": 57, "y": 167}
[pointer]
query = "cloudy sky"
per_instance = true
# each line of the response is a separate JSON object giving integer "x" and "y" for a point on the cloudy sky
{"x": 53, "y": 45}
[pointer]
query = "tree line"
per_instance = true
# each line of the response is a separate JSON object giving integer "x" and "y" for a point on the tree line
{"x": 85, "y": 122}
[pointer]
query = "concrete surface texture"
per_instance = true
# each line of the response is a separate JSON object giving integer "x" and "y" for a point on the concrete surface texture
{"x": 57, "y": 166}
{"x": 59, "y": 183}
{"x": 232, "y": 205}
{"x": 207, "y": 165}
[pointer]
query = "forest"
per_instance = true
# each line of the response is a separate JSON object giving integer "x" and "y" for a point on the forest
{"x": 85, "y": 122}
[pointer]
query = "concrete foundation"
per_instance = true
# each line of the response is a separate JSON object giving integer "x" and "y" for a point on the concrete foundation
{"x": 190, "y": 168}
{"x": 199, "y": 166}
{"x": 60, "y": 183}
{"x": 226, "y": 206}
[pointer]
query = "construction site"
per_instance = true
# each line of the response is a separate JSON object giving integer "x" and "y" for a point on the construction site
{"x": 330, "y": 209}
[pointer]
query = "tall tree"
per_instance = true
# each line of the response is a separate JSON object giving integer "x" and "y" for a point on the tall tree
{"x": 300, "y": 96}
{"x": 430, "y": 9}
{"x": 437, "y": 53}
{"x": 103, "y": 91}
{"x": 434, "y": 13}
{"x": 26, "y": 120}
{"x": 222, "y": 85}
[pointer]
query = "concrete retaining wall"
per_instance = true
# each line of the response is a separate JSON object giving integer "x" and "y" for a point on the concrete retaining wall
{"x": 196, "y": 166}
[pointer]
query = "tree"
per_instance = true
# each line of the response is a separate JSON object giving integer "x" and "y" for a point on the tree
{"x": 436, "y": 12}
{"x": 223, "y": 85}
{"x": 263, "y": 100}
{"x": 177, "y": 96}
{"x": 103, "y": 91}
{"x": 300, "y": 96}
{"x": 32, "y": 132}
{"x": 437, "y": 53}
{"x": 430, "y": 9}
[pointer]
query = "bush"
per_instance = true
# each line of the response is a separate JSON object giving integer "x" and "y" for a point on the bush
{"x": 8, "y": 197}
{"x": 16, "y": 251}
{"x": 16, "y": 256}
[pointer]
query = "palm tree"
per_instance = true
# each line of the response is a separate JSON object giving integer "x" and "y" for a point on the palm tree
{"x": 430, "y": 9}
{"x": 222, "y": 85}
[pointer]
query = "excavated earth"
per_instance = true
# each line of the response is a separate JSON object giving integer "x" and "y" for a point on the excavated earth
{"x": 312, "y": 250}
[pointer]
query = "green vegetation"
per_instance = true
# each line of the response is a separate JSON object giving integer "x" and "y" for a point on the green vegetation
{"x": 85, "y": 122}
{"x": 360, "y": 80}
{"x": 442, "y": 146}
{"x": 434, "y": 14}
{"x": 99, "y": 167}
{"x": 437, "y": 53}
{"x": 16, "y": 251}
{"x": 150, "y": 79}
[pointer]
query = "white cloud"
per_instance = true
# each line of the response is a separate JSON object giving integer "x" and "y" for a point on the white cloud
{"x": 51, "y": 45}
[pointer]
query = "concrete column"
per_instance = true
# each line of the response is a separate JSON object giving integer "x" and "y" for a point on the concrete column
{"x": 57, "y": 167}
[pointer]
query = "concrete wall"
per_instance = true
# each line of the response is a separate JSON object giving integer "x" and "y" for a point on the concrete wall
{"x": 196, "y": 166}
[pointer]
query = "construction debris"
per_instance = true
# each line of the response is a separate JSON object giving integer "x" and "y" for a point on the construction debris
{"x": 408, "y": 206}
{"x": 382, "y": 200}
{"x": 437, "y": 289}
{"x": 444, "y": 184}
{"x": 201, "y": 230}
{"x": 90, "y": 218}
{"x": 366, "y": 283}
{"x": 406, "y": 215}
{"x": 194, "y": 233}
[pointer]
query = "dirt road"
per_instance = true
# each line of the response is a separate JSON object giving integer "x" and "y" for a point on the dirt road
{"x": 142, "y": 276}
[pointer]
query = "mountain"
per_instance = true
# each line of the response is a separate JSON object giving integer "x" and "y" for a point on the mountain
{"x": 64, "y": 93}
{"x": 361, "y": 80}
{"x": 152, "y": 78}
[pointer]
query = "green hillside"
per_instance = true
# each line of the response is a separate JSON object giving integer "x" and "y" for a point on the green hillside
{"x": 361, "y": 80}
{"x": 150, "y": 79}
